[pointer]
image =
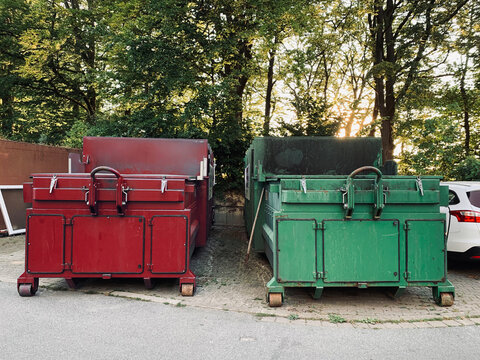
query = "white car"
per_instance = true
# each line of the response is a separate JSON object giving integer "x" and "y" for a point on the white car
{"x": 463, "y": 220}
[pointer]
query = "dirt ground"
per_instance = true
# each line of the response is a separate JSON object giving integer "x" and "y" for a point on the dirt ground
{"x": 226, "y": 282}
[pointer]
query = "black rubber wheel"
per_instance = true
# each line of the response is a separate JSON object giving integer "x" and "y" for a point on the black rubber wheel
{"x": 25, "y": 290}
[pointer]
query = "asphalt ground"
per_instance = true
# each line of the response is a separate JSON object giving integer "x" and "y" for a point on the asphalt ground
{"x": 77, "y": 325}
{"x": 229, "y": 284}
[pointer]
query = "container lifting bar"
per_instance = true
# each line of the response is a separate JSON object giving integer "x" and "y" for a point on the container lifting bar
{"x": 120, "y": 190}
{"x": 379, "y": 204}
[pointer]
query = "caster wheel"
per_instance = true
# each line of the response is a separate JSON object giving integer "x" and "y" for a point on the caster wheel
{"x": 35, "y": 286}
{"x": 275, "y": 299}
{"x": 26, "y": 290}
{"x": 72, "y": 283}
{"x": 186, "y": 289}
{"x": 149, "y": 284}
{"x": 446, "y": 299}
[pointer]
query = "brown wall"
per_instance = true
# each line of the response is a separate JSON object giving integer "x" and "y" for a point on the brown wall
{"x": 18, "y": 160}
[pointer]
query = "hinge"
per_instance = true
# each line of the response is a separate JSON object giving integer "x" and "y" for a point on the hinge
{"x": 149, "y": 266}
{"x": 406, "y": 227}
{"x": 67, "y": 266}
{"x": 318, "y": 226}
{"x": 320, "y": 275}
{"x": 85, "y": 159}
{"x": 67, "y": 222}
{"x": 407, "y": 274}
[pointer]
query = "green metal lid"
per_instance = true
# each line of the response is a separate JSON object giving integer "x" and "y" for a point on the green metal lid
{"x": 316, "y": 155}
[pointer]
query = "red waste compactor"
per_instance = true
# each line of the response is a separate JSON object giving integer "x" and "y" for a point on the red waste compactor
{"x": 138, "y": 210}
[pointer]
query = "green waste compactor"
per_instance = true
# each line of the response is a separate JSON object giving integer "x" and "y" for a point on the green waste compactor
{"x": 329, "y": 216}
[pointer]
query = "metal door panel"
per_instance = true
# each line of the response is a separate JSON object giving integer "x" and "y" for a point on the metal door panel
{"x": 169, "y": 244}
{"x": 296, "y": 250}
{"x": 108, "y": 244}
{"x": 45, "y": 244}
{"x": 426, "y": 250}
{"x": 361, "y": 250}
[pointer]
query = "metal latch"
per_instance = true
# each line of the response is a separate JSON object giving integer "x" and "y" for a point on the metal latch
{"x": 407, "y": 274}
{"x": 303, "y": 183}
{"x": 164, "y": 184}
{"x": 125, "y": 190}
{"x": 419, "y": 185}
{"x": 53, "y": 183}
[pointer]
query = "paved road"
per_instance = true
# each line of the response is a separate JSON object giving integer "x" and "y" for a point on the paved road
{"x": 225, "y": 281}
{"x": 75, "y": 325}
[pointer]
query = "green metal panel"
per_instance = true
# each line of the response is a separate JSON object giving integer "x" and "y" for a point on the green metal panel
{"x": 361, "y": 250}
{"x": 296, "y": 250}
{"x": 323, "y": 222}
{"x": 313, "y": 155}
{"x": 425, "y": 250}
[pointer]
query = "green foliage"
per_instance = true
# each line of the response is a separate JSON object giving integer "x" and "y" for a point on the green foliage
{"x": 198, "y": 69}
{"x": 293, "y": 317}
{"x": 371, "y": 321}
{"x": 432, "y": 135}
{"x": 469, "y": 169}
{"x": 336, "y": 319}
{"x": 315, "y": 120}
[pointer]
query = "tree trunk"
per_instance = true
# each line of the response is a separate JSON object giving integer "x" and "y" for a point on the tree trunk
{"x": 85, "y": 48}
{"x": 466, "y": 114}
{"x": 268, "y": 97}
{"x": 377, "y": 33}
{"x": 348, "y": 125}
{"x": 388, "y": 113}
{"x": 7, "y": 118}
{"x": 90, "y": 56}
{"x": 244, "y": 54}
{"x": 384, "y": 84}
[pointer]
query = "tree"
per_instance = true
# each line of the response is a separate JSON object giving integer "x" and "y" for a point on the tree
{"x": 309, "y": 75}
{"x": 464, "y": 70}
{"x": 404, "y": 37}
{"x": 12, "y": 15}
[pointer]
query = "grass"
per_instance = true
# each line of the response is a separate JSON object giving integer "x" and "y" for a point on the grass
{"x": 371, "y": 321}
{"x": 128, "y": 297}
{"x": 336, "y": 319}
{"x": 293, "y": 317}
{"x": 180, "y": 305}
{"x": 261, "y": 315}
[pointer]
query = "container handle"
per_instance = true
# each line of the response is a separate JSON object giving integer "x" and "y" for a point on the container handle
{"x": 366, "y": 168}
{"x": 350, "y": 192}
{"x": 120, "y": 189}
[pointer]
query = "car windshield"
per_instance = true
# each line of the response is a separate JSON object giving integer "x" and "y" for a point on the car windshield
{"x": 474, "y": 197}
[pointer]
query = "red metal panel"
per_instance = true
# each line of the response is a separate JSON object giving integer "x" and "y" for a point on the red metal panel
{"x": 154, "y": 181}
{"x": 169, "y": 244}
{"x": 45, "y": 243}
{"x": 108, "y": 244}
{"x": 147, "y": 156}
